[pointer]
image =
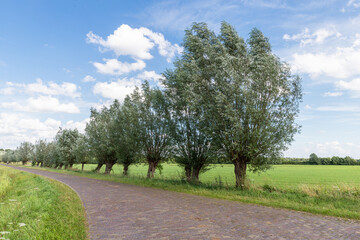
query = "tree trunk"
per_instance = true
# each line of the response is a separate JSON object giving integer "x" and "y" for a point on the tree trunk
{"x": 108, "y": 167}
{"x": 24, "y": 162}
{"x": 61, "y": 165}
{"x": 82, "y": 167}
{"x": 71, "y": 165}
{"x": 195, "y": 174}
{"x": 37, "y": 164}
{"x": 151, "y": 170}
{"x": 98, "y": 167}
{"x": 126, "y": 168}
{"x": 240, "y": 172}
{"x": 188, "y": 173}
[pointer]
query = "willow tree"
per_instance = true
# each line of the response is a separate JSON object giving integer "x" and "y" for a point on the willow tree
{"x": 25, "y": 151}
{"x": 101, "y": 135}
{"x": 192, "y": 143}
{"x": 66, "y": 140}
{"x": 128, "y": 133}
{"x": 250, "y": 95}
{"x": 152, "y": 112}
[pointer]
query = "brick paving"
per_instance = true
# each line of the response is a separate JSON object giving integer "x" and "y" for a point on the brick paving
{"x": 120, "y": 211}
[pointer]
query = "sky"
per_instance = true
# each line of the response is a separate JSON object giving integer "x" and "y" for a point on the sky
{"x": 60, "y": 58}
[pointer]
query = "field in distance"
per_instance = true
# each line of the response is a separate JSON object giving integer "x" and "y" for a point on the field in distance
{"x": 280, "y": 176}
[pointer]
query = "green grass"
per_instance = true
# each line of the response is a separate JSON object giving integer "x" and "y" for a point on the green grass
{"x": 327, "y": 190}
{"x": 32, "y": 207}
{"x": 280, "y": 176}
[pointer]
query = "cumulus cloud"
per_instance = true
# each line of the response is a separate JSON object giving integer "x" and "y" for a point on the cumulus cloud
{"x": 116, "y": 89}
{"x": 149, "y": 75}
{"x": 352, "y": 86}
{"x": 333, "y": 94}
{"x": 7, "y": 91}
{"x": 42, "y": 104}
{"x": 115, "y": 67}
{"x": 317, "y": 37}
{"x": 40, "y": 87}
{"x": 89, "y": 78}
{"x": 51, "y": 88}
{"x": 342, "y": 63}
{"x": 135, "y": 42}
{"x": 16, "y": 128}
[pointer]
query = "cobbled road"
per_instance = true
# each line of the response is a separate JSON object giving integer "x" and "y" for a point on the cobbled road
{"x": 120, "y": 211}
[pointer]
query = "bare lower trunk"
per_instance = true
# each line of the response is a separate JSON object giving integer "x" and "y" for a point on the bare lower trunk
{"x": 188, "y": 173}
{"x": 37, "y": 164}
{"x": 82, "y": 167}
{"x": 108, "y": 167}
{"x": 61, "y": 165}
{"x": 195, "y": 174}
{"x": 240, "y": 172}
{"x": 125, "y": 171}
{"x": 98, "y": 167}
{"x": 24, "y": 162}
{"x": 71, "y": 165}
{"x": 151, "y": 170}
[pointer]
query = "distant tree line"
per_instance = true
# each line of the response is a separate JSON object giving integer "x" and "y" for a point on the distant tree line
{"x": 226, "y": 101}
{"x": 315, "y": 160}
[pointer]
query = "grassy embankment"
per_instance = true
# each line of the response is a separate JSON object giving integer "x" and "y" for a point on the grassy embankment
{"x": 327, "y": 190}
{"x": 32, "y": 207}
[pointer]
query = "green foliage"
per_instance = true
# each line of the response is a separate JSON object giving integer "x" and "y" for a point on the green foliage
{"x": 66, "y": 140}
{"x": 25, "y": 152}
{"x": 101, "y": 132}
{"x": 249, "y": 97}
{"x": 154, "y": 124}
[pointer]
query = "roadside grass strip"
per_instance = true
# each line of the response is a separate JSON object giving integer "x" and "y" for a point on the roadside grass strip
{"x": 33, "y": 207}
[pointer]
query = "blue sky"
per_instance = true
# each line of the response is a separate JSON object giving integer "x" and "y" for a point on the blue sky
{"x": 59, "y": 58}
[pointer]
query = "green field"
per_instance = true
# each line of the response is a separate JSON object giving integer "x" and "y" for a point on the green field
{"x": 280, "y": 176}
{"x": 32, "y": 207}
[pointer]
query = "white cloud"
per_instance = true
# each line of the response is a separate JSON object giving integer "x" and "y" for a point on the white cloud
{"x": 16, "y": 128}
{"x": 149, "y": 75}
{"x": 116, "y": 90}
{"x": 51, "y": 88}
{"x": 318, "y": 37}
{"x": 135, "y": 42}
{"x": 344, "y": 108}
{"x": 326, "y": 149}
{"x": 354, "y": 3}
{"x": 343, "y": 63}
{"x": 352, "y": 86}
{"x": 333, "y": 94}
{"x": 7, "y": 91}
{"x": 115, "y": 67}
{"x": 42, "y": 104}
{"x": 307, "y": 107}
{"x": 89, "y": 78}
{"x": 125, "y": 41}
{"x": 80, "y": 126}
{"x": 166, "y": 49}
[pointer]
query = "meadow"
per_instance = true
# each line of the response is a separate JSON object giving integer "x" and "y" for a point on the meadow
{"x": 279, "y": 176}
{"x": 32, "y": 207}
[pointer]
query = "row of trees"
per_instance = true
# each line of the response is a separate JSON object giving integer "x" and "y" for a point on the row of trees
{"x": 226, "y": 99}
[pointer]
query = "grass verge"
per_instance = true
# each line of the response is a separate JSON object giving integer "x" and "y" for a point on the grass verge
{"x": 33, "y": 207}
